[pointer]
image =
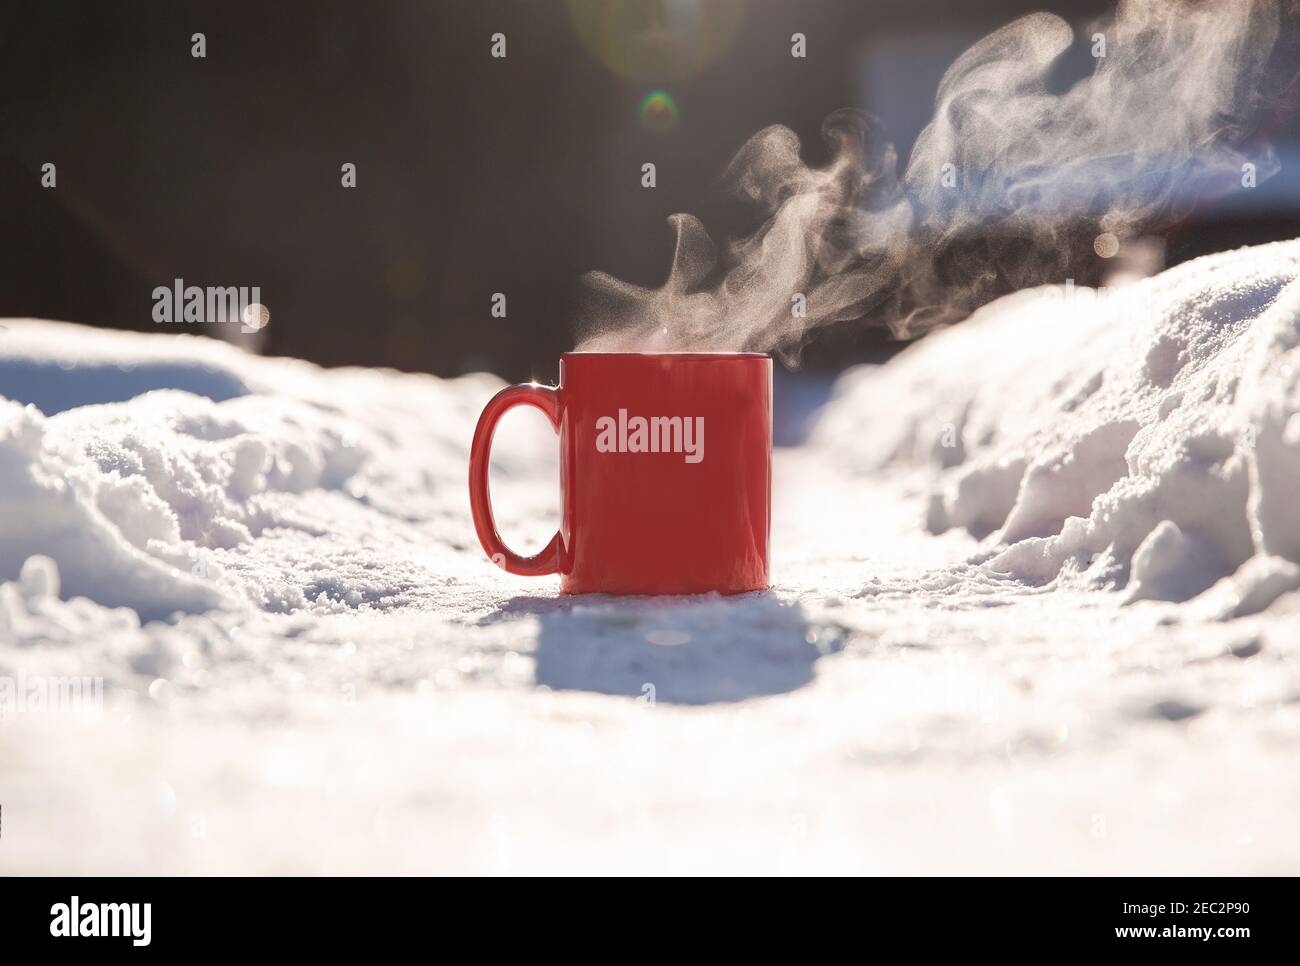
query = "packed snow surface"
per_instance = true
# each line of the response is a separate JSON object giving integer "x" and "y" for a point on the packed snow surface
{"x": 1036, "y": 608}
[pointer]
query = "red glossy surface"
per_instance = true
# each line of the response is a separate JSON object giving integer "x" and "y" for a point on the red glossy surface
{"x": 690, "y": 518}
{"x": 480, "y": 453}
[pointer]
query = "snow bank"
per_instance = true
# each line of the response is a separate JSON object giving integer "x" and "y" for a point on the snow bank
{"x": 207, "y": 486}
{"x": 1143, "y": 438}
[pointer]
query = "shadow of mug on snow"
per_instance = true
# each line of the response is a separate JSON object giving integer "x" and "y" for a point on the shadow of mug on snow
{"x": 687, "y": 651}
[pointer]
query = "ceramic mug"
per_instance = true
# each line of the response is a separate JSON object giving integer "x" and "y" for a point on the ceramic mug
{"x": 665, "y": 473}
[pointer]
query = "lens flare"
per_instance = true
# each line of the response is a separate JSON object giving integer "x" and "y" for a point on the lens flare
{"x": 255, "y": 316}
{"x": 656, "y": 41}
{"x": 659, "y": 111}
{"x": 1106, "y": 245}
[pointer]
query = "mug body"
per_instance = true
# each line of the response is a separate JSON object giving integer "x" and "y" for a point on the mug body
{"x": 666, "y": 472}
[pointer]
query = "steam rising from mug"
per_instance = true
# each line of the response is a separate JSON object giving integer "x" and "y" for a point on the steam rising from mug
{"x": 1006, "y": 187}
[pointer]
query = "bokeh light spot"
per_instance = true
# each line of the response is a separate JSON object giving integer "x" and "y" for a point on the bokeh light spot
{"x": 656, "y": 41}
{"x": 1106, "y": 245}
{"x": 658, "y": 111}
{"x": 255, "y": 316}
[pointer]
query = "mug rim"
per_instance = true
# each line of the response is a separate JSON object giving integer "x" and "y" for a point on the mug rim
{"x": 705, "y": 354}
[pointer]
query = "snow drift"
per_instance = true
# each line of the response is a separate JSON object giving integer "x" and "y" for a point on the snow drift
{"x": 181, "y": 475}
{"x": 1144, "y": 439}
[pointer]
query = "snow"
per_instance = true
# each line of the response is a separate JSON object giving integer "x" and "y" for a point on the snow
{"x": 1035, "y": 610}
{"x": 1144, "y": 436}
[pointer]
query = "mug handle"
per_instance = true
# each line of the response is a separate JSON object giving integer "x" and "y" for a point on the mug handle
{"x": 480, "y": 501}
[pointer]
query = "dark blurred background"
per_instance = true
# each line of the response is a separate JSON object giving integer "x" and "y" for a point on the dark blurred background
{"x": 475, "y": 174}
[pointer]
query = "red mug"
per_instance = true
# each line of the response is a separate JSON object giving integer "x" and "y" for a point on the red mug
{"x": 665, "y": 473}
